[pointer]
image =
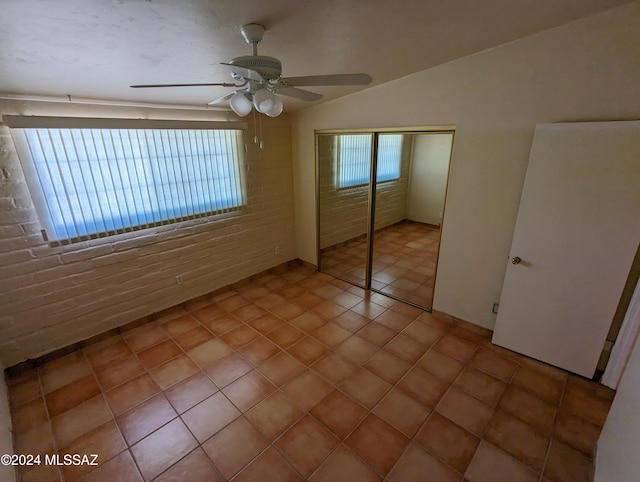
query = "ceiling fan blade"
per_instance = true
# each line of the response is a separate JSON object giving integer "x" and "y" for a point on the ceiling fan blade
{"x": 331, "y": 79}
{"x": 244, "y": 72}
{"x": 146, "y": 86}
{"x": 221, "y": 99}
{"x": 298, "y": 93}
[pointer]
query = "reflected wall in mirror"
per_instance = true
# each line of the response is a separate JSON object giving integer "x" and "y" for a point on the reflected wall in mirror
{"x": 402, "y": 211}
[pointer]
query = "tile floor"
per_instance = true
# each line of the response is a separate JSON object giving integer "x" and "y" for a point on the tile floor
{"x": 404, "y": 261}
{"x": 299, "y": 376}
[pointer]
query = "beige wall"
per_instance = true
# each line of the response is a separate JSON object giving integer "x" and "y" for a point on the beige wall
{"x": 7, "y": 472}
{"x": 586, "y": 70}
{"x": 52, "y": 297}
{"x": 428, "y": 180}
{"x": 617, "y": 452}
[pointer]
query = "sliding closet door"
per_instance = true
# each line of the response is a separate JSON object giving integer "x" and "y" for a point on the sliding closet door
{"x": 344, "y": 170}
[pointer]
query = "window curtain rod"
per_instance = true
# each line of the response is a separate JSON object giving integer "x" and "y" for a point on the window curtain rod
{"x": 16, "y": 121}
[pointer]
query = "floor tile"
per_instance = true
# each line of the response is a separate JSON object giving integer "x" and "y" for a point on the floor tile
{"x": 466, "y": 411}
{"x": 339, "y": 413}
{"x": 239, "y": 336}
{"x": 285, "y": 336}
{"x": 416, "y": 465}
{"x": 369, "y": 309}
{"x": 104, "y": 353}
{"x": 226, "y": 370}
{"x": 334, "y": 368}
{"x": 308, "y": 322}
{"x": 351, "y": 321}
{"x": 281, "y": 368}
{"x": 402, "y": 412}
{"x": 61, "y": 372}
{"x": 157, "y": 452}
{"x": 490, "y": 464}
{"x": 406, "y": 348}
{"x": 576, "y": 432}
{"x": 174, "y": 371}
{"x": 79, "y": 420}
{"x": 222, "y": 324}
{"x": 424, "y": 334}
{"x": 192, "y": 338}
{"x": 455, "y": 347}
{"x": 394, "y": 320}
{"x": 365, "y": 387}
{"x": 518, "y": 439}
{"x": 306, "y": 445}
{"x": 356, "y": 349}
{"x": 482, "y": 386}
{"x": 190, "y": 392}
{"x": 144, "y": 337}
{"x": 287, "y": 311}
{"x": 258, "y": 350}
{"x": 376, "y": 333}
{"x": 344, "y": 466}
{"x": 235, "y": 446}
{"x": 104, "y": 441}
{"x": 209, "y": 352}
{"x": 140, "y": 421}
{"x": 24, "y": 392}
{"x": 306, "y": 389}
{"x": 131, "y": 393}
{"x": 180, "y": 325}
{"x": 268, "y": 466}
{"x": 120, "y": 371}
{"x": 71, "y": 395}
{"x": 585, "y": 404}
{"x": 442, "y": 366}
{"x": 565, "y": 464}
{"x": 274, "y": 415}
{"x": 378, "y": 443}
{"x": 547, "y": 388}
{"x": 529, "y": 409}
{"x": 195, "y": 467}
{"x": 424, "y": 387}
{"x": 248, "y": 312}
{"x": 29, "y": 415}
{"x": 493, "y": 364}
{"x": 387, "y": 366}
{"x": 248, "y": 390}
{"x": 448, "y": 441}
{"x": 121, "y": 468}
{"x": 331, "y": 334}
{"x": 209, "y": 416}
{"x": 307, "y": 350}
{"x": 266, "y": 323}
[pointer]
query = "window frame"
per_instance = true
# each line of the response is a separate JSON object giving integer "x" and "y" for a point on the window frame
{"x": 18, "y": 124}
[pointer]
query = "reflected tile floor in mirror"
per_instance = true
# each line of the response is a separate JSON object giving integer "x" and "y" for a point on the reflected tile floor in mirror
{"x": 300, "y": 376}
{"x": 404, "y": 261}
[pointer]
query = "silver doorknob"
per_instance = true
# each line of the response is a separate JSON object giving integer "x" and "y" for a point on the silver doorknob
{"x": 515, "y": 260}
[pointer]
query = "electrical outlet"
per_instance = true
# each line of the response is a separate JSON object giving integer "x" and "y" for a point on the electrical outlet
{"x": 277, "y": 250}
{"x": 495, "y": 307}
{"x": 179, "y": 280}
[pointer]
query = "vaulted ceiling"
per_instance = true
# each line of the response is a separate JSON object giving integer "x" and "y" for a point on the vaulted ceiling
{"x": 97, "y": 48}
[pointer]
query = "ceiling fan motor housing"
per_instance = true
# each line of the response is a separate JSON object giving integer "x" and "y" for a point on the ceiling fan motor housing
{"x": 269, "y": 68}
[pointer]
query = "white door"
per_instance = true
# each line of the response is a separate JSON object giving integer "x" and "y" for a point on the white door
{"x": 577, "y": 232}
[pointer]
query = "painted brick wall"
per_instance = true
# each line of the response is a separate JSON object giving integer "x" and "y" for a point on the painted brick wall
{"x": 343, "y": 212}
{"x": 52, "y": 297}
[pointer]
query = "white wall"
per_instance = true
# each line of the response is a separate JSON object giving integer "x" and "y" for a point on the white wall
{"x": 586, "y": 70}
{"x": 428, "y": 180}
{"x": 7, "y": 472}
{"x": 617, "y": 456}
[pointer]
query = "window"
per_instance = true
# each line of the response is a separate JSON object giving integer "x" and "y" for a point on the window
{"x": 354, "y": 158}
{"x": 96, "y": 182}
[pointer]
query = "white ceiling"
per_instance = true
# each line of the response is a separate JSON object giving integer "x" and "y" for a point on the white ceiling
{"x": 97, "y": 48}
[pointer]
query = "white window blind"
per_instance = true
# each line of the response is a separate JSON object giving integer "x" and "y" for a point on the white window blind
{"x": 354, "y": 159}
{"x": 90, "y": 183}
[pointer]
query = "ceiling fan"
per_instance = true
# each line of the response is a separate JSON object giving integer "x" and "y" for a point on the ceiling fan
{"x": 260, "y": 77}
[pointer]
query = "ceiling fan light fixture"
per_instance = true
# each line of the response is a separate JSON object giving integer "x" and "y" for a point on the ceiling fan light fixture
{"x": 240, "y": 104}
{"x": 276, "y": 110}
{"x": 264, "y": 101}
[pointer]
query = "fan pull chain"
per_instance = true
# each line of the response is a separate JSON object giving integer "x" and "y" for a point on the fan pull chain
{"x": 260, "y": 121}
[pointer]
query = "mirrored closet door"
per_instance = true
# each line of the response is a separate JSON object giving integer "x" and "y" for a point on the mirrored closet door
{"x": 383, "y": 235}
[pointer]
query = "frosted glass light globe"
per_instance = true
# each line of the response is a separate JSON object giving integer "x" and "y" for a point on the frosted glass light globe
{"x": 263, "y": 100}
{"x": 276, "y": 110}
{"x": 240, "y": 104}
